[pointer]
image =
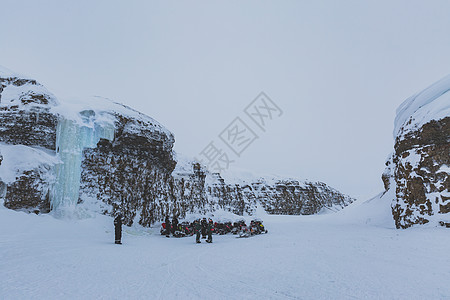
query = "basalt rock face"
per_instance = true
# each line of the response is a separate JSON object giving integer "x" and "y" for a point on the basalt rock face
{"x": 26, "y": 119}
{"x": 132, "y": 173}
{"x": 274, "y": 195}
{"x": 290, "y": 197}
{"x": 29, "y": 192}
{"x": 419, "y": 169}
{"x": 26, "y": 178}
{"x": 25, "y": 112}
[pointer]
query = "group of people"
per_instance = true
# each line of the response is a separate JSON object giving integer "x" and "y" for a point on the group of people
{"x": 201, "y": 228}
{"x": 207, "y": 228}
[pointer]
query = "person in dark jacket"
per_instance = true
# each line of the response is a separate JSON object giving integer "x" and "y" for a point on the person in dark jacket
{"x": 209, "y": 228}
{"x": 197, "y": 229}
{"x": 118, "y": 228}
{"x": 204, "y": 225}
{"x": 174, "y": 224}
{"x": 168, "y": 227}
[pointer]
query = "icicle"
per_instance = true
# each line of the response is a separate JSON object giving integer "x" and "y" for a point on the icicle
{"x": 71, "y": 139}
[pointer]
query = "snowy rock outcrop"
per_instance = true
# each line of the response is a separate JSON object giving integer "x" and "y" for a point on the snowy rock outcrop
{"x": 25, "y": 111}
{"x": 27, "y": 177}
{"x": 26, "y": 120}
{"x": 244, "y": 193}
{"x": 130, "y": 171}
{"x": 419, "y": 168}
{"x": 61, "y": 154}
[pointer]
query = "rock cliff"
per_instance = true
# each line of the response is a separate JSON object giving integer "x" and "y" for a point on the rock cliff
{"x": 26, "y": 120}
{"x": 419, "y": 168}
{"x": 25, "y": 112}
{"x": 244, "y": 194}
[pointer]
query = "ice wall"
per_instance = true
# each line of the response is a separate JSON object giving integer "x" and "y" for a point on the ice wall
{"x": 72, "y": 137}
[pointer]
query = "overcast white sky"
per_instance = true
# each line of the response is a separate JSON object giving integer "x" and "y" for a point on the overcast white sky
{"x": 338, "y": 69}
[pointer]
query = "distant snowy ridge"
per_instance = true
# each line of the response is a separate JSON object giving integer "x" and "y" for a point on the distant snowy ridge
{"x": 243, "y": 192}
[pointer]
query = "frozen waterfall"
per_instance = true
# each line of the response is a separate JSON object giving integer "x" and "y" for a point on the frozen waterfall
{"x": 72, "y": 137}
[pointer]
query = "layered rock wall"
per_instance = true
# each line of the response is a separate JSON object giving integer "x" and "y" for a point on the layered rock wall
{"x": 26, "y": 119}
{"x": 132, "y": 174}
{"x": 25, "y": 112}
{"x": 419, "y": 169}
{"x": 274, "y": 195}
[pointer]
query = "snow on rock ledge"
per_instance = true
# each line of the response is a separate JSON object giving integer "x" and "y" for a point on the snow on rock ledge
{"x": 433, "y": 103}
{"x": 25, "y": 113}
{"x": 241, "y": 192}
{"x": 418, "y": 170}
{"x": 27, "y": 175}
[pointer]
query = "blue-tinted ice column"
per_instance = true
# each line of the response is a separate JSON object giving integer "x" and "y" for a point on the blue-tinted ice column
{"x": 71, "y": 139}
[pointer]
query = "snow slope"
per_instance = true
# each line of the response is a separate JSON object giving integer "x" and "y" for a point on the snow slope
{"x": 7, "y": 73}
{"x": 335, "y": 256}
{"x": 104, "y": 111}
{"x": 433, "y": 103}
{"x": 20, "y": 158}
{"x": 17, "y": 87}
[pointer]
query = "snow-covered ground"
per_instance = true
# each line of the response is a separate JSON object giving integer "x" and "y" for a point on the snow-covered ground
{"x": 353, "y": 254}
